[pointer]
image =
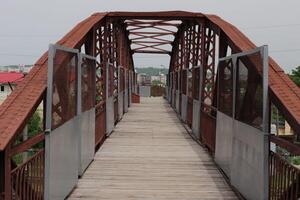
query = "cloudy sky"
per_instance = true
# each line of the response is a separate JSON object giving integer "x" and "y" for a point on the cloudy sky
{"x": 28, "y": 26}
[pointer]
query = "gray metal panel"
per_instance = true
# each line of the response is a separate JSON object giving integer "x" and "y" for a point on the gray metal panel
{"x": 265, "y": 55}
{"x": 135, "y": 89}
{"x": 86, "y": 139}
{"x": 61, "y": 144}
{"x": 130, "y": 87}
{"x": 250, "y": 146}
{"x": 126, "y": 103}
{"x": 120, "y": 95}
{"x": 184, "y": 102}
{"x": 121, "y": 104}
{"x": 174, "y": 98}
{"x": 61, "y": 152}
{"x": 145, "y": 91}
{"x": 177, "y": 100}
{"x": 167, "y": 92}
{"x": 249, "y": 172}
{"x": 196, "y": 119}
{"x": 109, "y": 115}
{"x": 170, "y": 94}
{"x": 126, "y": 100}
{"x": 171, "y": 88}
{"x": 223, "y": 152}
{"x": 110, "y": 121}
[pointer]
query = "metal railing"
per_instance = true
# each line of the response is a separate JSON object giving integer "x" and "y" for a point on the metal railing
{"x": 100, "y": 124}
{"x": 284, "y": 176}
{"x": 28, "y": 179}
{"x": 208, "y": 126}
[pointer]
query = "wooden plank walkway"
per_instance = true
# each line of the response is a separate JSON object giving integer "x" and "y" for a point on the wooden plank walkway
{"x": 151, "y": 156}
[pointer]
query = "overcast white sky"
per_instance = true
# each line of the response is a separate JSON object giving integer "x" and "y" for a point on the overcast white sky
{"x": 28, "y": 26}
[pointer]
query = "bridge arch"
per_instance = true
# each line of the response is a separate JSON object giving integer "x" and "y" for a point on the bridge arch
{"x": 198, "y": 39}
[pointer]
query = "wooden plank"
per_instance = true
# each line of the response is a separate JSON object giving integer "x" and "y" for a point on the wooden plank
{"x": 151, "y": 156}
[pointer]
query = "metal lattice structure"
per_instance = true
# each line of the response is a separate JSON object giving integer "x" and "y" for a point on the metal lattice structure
{"x": 190, "y": 39}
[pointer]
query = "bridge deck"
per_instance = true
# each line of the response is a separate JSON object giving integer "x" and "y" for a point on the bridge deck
{"x": 151, "y": 156}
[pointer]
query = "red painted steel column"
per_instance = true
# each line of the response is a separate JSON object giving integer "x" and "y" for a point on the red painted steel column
{"x": 2, "y": 173}
{"x": 7, "y": 170}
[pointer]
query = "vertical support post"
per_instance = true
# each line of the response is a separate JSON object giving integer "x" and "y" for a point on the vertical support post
{"x": 107, "y": 81}
{"x": 209, "y": 65}
{"x": 105, "y": 62}
{"x": 90, "y": 43}
{"x": 48, "y": 120}
{"x": 264, "y": 54}
{"x": 51, "y": 53}
{"x": 265, "y": 57}
{"x": 234, "y": 84}
{"x": 2, "y": 173}
{"x": 200, "y": 86}
{"x": 7, "y": 170}
{"x": 200, "y": 98}
{"x": 187, "y": 83}
{"x": 80, "y": 61}
{"x": 25, "y": 137}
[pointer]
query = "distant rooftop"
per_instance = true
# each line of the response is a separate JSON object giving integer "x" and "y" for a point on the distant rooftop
{"x": 11, "y": 77}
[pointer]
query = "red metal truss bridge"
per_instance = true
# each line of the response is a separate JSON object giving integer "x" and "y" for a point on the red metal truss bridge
{"x": 224, "y": 89}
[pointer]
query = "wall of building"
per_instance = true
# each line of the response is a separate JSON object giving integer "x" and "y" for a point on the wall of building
{"x": 5, "y": 90}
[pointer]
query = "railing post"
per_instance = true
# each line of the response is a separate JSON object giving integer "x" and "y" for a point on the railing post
{"x": 266, "y": 115}
{"x": 7, "y": 170}
{"x": 2, "y": 174}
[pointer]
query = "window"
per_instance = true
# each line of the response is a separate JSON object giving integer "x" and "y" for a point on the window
{"x": 225, "y": 87}
{"x": 196, "y": 83}
{"x": 249, "y": 97}
{"x": 183, "y": 81}
{"x": 2, "y": 88}
{"x": 64, "y": 97}
{"x": 190, "y": 82}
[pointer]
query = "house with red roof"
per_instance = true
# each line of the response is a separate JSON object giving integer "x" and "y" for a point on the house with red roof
{"x": 8, "y": 81}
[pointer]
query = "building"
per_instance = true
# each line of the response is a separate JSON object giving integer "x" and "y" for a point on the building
{"x": 155, "y": 78}
{"x": 16, "y": 68}
{"x": 144, "y": 79}
{"x": 8, "y": 81}
{"x": 160, "y": 78}
{"x": 163, "y": 79}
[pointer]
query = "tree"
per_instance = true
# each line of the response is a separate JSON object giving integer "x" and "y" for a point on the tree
{"x": 295, "y": 75}
{"x": 156, "y": 82}
{"x": 34, "y": 128}
{"x": 34, "y": 125}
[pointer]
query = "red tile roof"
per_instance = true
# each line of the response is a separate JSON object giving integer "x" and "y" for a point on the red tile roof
{"x": 284, "y": 93}
{"x": 12, "y": 77}
{"x": 26, "y": 97}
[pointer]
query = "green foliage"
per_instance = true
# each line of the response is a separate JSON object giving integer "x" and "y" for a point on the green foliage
{"x": 34, "y": 128}
{"x": 151, "y": 71}
{"x": 295, "y": 75}
{"x": 156, "y": 82}
{"x": 281, "y": 119}
{"x": 98, "y": 89}
{"x": 34, "y": 125}
{"x": 295, "y": 160}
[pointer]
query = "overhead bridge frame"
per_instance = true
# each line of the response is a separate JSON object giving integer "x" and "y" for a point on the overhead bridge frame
{"x": 190, "y": 39}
